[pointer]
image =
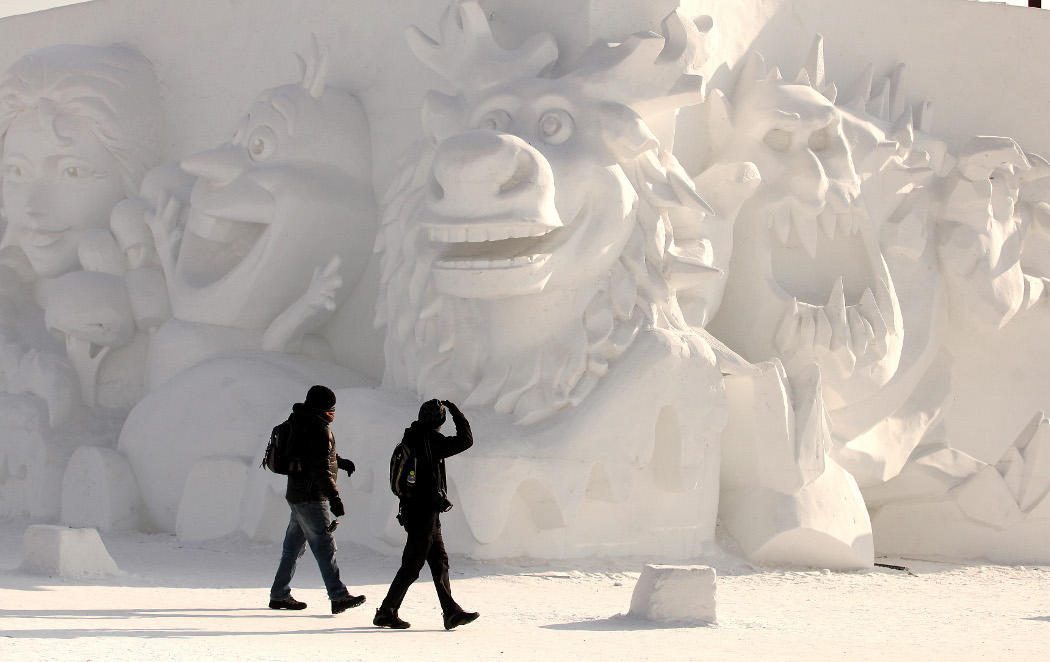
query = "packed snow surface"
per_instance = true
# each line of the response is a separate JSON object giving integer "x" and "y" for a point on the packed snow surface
{"x": 183, "y": 602}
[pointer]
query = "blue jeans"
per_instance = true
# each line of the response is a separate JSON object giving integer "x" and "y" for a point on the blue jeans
{"x": 308, "y": 524}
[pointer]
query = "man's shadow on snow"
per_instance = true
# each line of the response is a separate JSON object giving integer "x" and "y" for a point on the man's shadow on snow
{"x": 622, "y": 622}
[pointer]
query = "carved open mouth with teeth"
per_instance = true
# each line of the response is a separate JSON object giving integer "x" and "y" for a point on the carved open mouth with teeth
{"x": 493, "y": 246}
{"x": 490, "y": 257}
{"x": 213, "y": 247}
{"x": 840, "y": 308}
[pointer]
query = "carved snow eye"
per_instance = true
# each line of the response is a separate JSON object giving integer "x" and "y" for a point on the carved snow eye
{"x": 778, "y": 139}
{"x": 495, "y": 120}
{"x": 13, "y": 172}
{"x": 820, "y": 139}
{"x": 76, "y": 172}
{"x": 556, "y": 126}
{"x": 262, "y": 143}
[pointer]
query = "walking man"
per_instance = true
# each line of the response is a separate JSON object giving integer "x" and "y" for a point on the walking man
{"x": 420, "y": 511}
{"x": 313, "y": 498}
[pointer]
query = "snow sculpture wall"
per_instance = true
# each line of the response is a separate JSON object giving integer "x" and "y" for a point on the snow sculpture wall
{"x": 802, "y": 323}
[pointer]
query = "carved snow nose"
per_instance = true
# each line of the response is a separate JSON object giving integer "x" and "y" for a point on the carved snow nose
{"x": 219, "y": 166}
{"x": 473, "y": 171}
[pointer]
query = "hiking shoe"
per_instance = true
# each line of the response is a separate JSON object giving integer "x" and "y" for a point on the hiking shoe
{"x": 349, "y": 602}
{"x": 387, "y": 618}
{"x": 457, "y": 618}
{"x": 287, "y": 603}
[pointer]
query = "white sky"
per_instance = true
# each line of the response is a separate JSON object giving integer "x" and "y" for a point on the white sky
{"x": 11, "y": 7}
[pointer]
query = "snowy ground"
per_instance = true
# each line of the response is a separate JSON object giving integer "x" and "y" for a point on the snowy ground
{"x": 179, "y": 602}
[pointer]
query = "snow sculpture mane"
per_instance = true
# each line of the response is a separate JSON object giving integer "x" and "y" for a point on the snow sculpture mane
{"x": 531, "y": 239}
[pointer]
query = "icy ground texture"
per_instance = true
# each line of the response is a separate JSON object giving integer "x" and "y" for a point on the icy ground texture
{"x": 187, "y": 603}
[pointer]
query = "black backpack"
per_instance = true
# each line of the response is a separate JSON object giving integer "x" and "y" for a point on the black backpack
{"x": 403, "y": 464}
{"x": 280, "y": 456}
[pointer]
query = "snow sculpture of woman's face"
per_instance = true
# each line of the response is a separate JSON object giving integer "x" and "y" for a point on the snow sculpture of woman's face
{"x": 80, "y": 127}
{"x": 58, "y": 181}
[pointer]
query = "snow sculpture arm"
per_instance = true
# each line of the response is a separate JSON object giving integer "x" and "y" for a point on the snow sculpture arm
{"x": 308, "y": 312}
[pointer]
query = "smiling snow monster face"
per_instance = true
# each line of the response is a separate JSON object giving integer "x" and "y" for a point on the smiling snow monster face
{"x": 808, "y": 282}
{"x": 527, "y": 197}
{"x": 289, "y": 192}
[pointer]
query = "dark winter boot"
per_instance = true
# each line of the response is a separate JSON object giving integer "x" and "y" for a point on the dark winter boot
{"x": 349, "y": 602}
{"x": 457, "y": 618}
{"x": 287, "y": 603}
{"x": 387, "y": 618}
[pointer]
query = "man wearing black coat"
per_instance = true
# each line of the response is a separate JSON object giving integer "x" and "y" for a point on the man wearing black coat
{"x": 420, "y": 513}
{"x": 313, "y": 498}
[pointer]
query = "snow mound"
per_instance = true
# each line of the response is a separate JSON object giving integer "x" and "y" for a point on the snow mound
{"x": 99, "y": 490}
{"x": 680, "y": 593}
{"x": 58, "y": 550}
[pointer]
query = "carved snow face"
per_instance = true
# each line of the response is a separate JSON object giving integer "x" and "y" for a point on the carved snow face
{"x": 58, "y": 182}
{"x": 808, "y": 282}
{"x": 287, "y": 194}
{"x": 526, "y": 196}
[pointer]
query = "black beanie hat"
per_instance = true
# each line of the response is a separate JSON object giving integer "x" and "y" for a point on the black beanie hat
{"x": 432, "y": 413}
{"x": 320, "y": 397}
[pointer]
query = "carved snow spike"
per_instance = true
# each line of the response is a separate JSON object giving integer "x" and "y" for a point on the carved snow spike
{"x": 904, "y": 131}
{"x": 314, "y": 72}
{"x": 647, "y": 67}
{"x": 815, "y": 64}
{"x": 468, "y": 55}
{"x": 862, "y": 90}
{"x": 924, "y": 117}
{"x": 896, "y": 90}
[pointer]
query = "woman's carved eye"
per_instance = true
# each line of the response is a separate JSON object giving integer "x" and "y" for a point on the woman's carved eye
{"x": 556, "y": 126}
{"x": 495, "y": 120}
{"x": 778, "y": 139}
{"x": 74, "y": 172}
{"x": 262, "y": 143}
{"x": 13, "y": 171}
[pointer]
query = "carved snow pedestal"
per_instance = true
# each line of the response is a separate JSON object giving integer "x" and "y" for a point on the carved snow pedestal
{"x": 64, "y": 552}
{"x": 783, "y": 499}
{"x": 633, "y": 470}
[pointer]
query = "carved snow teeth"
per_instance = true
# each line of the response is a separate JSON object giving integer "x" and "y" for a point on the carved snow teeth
{"x": 807, "y": 233}
{"x": 453, "y": 234}
{"x": 838, "y": 333}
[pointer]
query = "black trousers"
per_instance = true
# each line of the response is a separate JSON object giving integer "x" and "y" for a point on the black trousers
{"x": 424, "y": 545}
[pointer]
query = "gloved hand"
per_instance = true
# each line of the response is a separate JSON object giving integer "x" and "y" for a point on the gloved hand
{"x": 336, "y": 505}
{"x": 346, "y": 465}
{"x": 451, "y": 406}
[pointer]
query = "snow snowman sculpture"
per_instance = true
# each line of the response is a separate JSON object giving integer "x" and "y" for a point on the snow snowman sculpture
{"x": 529, "y": 273}
{"x": 274, "y": 231}
{"x": 80, "y": 127}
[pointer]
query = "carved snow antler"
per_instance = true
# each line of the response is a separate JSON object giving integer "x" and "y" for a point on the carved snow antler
{"x": 648, "y": 68}
{"x": 468, "y": 55}
{"x": 314, "y": 71}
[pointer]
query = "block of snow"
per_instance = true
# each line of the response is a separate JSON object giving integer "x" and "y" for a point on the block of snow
{"x": 99, "y": 490}
{"x": 211, "y": 499}
{"x": 65, "y": 552}
{"x": 681, "y": 593}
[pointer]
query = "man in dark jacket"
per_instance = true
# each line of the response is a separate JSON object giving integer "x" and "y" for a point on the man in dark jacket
{"x": 313, "y": 498}
{"x": 420, "y": 513}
